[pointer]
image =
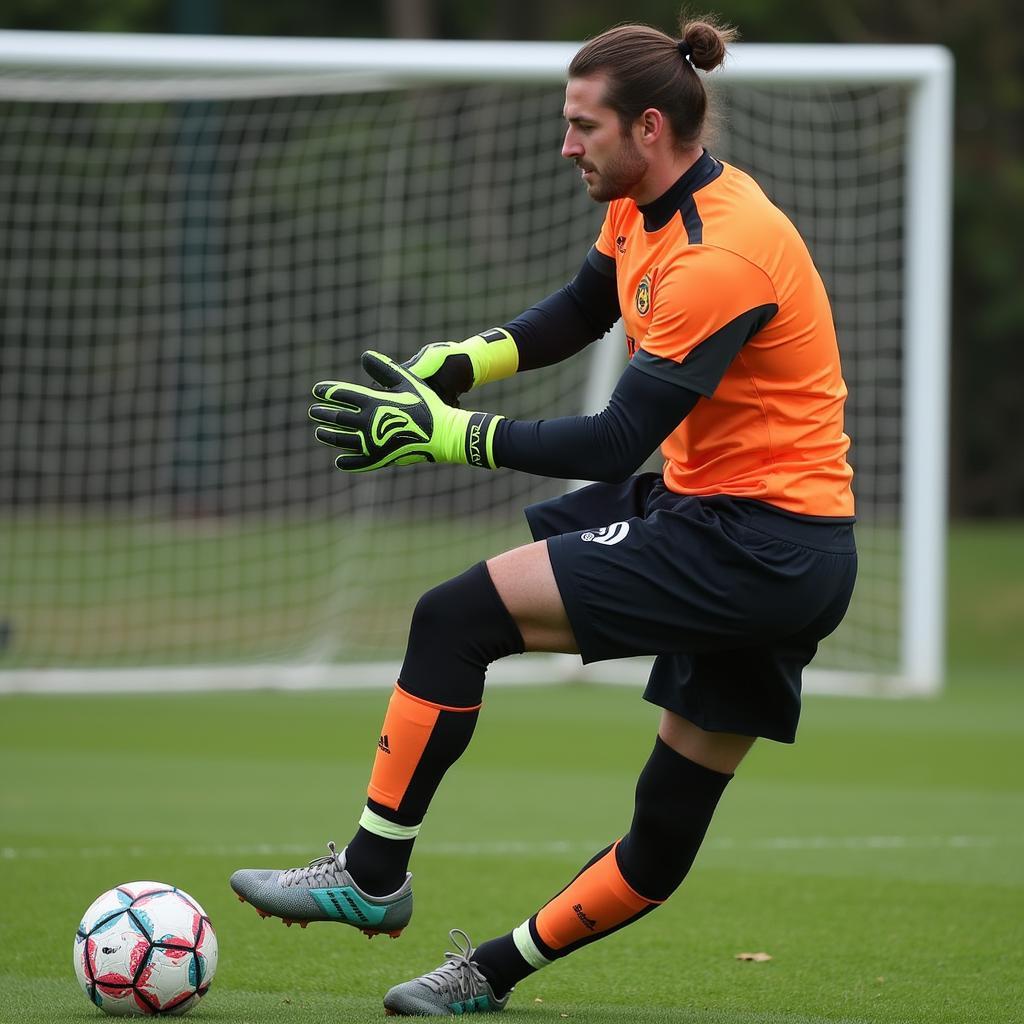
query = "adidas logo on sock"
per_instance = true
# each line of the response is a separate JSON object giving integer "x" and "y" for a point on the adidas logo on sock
{"x": 382, "y": 744}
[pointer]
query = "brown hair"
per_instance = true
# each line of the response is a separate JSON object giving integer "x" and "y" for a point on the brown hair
{"x": 647, "y": 68}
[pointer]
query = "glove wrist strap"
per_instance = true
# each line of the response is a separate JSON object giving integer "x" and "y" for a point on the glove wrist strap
{"x": 475, "y": 440}
{"x": 494, "y": 355}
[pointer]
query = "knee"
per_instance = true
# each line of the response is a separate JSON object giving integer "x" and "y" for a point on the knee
{"x": 438, "y": 610}
{"x": 466, "y": 614}
{"x": 458, "y": 628}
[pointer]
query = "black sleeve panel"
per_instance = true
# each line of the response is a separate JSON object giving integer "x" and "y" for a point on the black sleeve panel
{"x": 570, "y": 319}
{"x": 608, "y": 446}
{"x": 604, "y": 265}
{"x": 705, "y": 365}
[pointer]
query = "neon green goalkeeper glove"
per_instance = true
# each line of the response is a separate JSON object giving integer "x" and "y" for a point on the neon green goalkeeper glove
{"x": 404, "y": 423}
{"x": 452, "y": 368}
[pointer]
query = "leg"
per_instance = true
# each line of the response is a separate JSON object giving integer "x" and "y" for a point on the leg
{"x": 675, "y": 800}
{"x": 507, "y": 606}
{"x": 510, "y": 605}
{"x": 676, "y": 796}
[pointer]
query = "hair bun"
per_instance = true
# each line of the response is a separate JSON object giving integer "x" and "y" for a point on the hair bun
{"x": 706, "y": 41}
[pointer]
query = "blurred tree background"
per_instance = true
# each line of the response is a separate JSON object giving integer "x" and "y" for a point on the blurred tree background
{"x": 985, "y": 36}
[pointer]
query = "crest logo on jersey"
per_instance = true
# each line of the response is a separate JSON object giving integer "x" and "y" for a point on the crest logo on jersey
{"x": 643, "y": 295}
{"x": 620, "y": 244}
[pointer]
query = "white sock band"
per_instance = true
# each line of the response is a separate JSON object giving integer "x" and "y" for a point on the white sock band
{"x": 528, "y": 948}
{"x": 386, "y": 829}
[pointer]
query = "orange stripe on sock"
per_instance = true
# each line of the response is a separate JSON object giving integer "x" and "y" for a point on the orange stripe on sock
{"x": 598, "y": 900}
{"x": 403, "y": 738}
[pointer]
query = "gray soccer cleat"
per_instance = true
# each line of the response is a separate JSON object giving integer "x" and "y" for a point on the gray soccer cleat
{"x": 455, "y": 988}
{"x": 324, "y": 891}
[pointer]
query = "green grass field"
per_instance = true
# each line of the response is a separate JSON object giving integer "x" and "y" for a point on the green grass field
{"x": 880, "y": 861}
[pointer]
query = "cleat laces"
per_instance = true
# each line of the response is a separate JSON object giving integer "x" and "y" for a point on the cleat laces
{"x": 458, "y": 978}
{"x": 321, "y": 872}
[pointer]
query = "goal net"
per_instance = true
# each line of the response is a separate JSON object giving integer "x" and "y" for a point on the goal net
{"x": 197, "y": 230}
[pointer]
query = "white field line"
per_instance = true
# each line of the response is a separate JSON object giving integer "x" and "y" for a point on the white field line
{"x": 503, "y": 848}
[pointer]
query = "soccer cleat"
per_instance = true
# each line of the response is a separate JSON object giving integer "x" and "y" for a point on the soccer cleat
{"x": 455, "y": 988}
{"x": 324, "y": 891}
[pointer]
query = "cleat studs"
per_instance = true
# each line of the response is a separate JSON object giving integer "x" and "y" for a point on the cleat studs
{"x": 303, "y": 924}
{"x": 286, "y": 922}
{"x": 241, "y": 898}
{"x": 262, "y": 913}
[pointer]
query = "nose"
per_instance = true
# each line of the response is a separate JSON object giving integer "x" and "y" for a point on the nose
{"x": 571, "y": 148}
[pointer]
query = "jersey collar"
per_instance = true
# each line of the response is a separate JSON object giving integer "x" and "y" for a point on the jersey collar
{"x": 660, "y": 211}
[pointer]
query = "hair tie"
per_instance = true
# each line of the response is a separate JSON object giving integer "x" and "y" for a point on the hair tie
{"x": 685, "y": 49}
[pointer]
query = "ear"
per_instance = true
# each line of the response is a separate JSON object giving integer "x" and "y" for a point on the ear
{"x": 650, "y": 126}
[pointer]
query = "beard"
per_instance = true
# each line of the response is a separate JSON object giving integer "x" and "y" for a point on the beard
{"x": 620, "y": 175}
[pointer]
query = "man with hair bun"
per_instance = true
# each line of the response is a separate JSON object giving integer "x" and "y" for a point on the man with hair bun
{"x": 729, "y": 566}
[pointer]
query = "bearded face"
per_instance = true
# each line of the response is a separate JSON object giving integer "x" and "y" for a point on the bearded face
{"x": 610, "y": 162}
{"x": 615, "y": 175}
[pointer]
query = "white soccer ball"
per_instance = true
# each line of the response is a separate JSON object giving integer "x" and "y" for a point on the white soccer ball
{"x": 145, "y": 948}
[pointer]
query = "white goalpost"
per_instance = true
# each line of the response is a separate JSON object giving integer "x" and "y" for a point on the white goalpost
{"x": 198, "y": 228}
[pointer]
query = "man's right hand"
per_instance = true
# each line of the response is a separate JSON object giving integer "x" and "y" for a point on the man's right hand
{"x": 452, "y": 368}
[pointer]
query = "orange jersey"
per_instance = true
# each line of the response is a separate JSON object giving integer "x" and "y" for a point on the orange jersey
{"x": 718, "y": 293}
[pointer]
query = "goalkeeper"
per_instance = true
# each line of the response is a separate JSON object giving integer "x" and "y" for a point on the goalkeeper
{"x": 730, "y": 565}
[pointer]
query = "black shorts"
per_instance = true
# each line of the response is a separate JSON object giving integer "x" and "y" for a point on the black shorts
{"x": 732, "y": 595}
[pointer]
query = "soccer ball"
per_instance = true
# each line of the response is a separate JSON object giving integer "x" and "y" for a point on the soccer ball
{"x": 145, "y": 948}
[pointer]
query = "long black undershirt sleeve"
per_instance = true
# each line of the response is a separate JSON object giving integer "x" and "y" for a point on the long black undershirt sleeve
{"x": 608, "y": 446}
{"x": 570, "y": 319}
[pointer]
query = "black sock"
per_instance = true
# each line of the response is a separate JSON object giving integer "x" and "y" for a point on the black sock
{"x": 378, "y": 865}
{"x": 675, "y": 801}
{"x": 501, "y": 964}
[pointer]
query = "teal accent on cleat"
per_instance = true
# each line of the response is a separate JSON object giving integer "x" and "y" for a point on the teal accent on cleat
{"x": 454, "y": 988}
{"x": 346, "y": 904}
{"x": 324, "y": 891}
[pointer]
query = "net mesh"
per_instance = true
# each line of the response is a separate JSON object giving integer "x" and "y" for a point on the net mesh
{"x": 179, "y": 270}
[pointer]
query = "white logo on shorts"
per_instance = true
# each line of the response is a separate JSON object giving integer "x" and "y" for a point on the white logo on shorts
{"x": 607, "y": 534}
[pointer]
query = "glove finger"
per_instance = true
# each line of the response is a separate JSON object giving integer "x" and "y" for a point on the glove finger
{"x": 363, "y": 463}
{"x": 384, "y": 370}
{"x": 350, "y": 441}
{"x": 353, "y": 463}
{"x": 338, "y": 391}
{"x": 336, "y": 415}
